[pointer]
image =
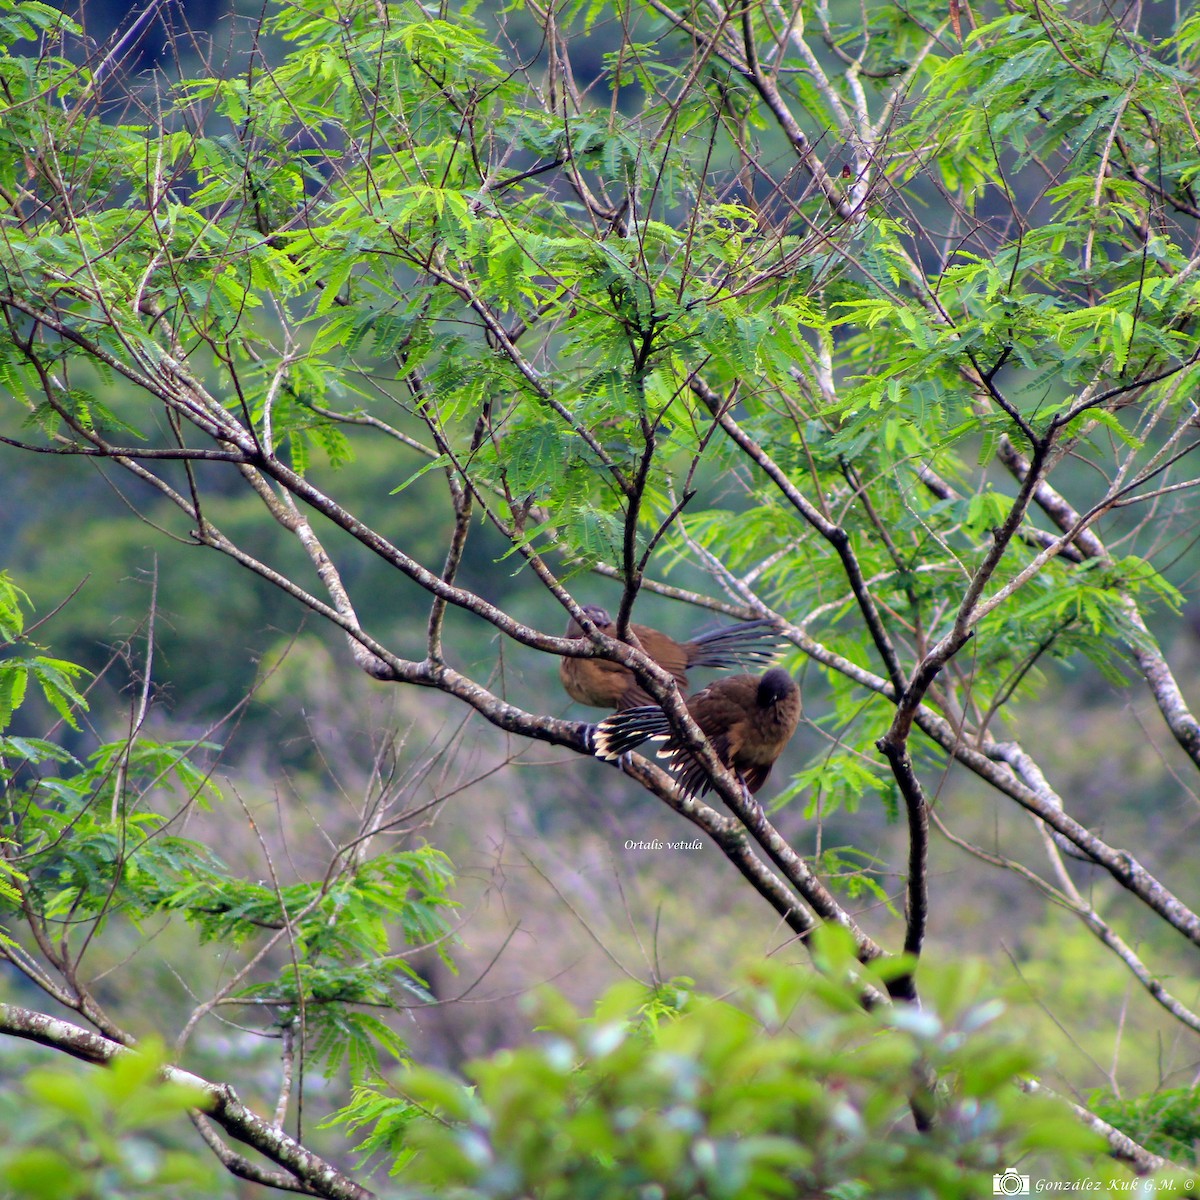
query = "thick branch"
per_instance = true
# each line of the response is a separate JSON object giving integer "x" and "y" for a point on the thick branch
{"x": 917, "y": 902}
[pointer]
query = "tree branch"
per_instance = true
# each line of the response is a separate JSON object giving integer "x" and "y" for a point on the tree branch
{"x": 218, "y": 1101}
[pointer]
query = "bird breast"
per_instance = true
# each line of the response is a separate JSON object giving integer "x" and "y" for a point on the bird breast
{"x": 773, "y": 728}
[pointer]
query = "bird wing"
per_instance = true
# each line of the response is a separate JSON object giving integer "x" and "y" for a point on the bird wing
{"x": 665, "y": 651}
{"x": 720, "y": 711}
{"x": 756, "y": 775}
{"x": 595, "y": 681}
{"x": 634, "y": 696}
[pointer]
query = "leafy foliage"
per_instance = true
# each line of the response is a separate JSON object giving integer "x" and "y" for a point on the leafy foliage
{"x": 1167, "y": 1121}
{"x": 94, "y": 842}
{"x": 73, "y": 1133}
{"x": 55, "y": 679}
{"x": 792, "y": 1090}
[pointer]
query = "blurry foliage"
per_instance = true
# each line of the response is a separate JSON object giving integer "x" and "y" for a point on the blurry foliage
{"x": 789, "y": 1090}
{"x": 81, "y": 1133}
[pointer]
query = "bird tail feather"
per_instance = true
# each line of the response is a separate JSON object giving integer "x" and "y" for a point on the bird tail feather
{"x": 744, "y": 644}
{"x": 690, "y": 776}
{"x": 626, "y": 730}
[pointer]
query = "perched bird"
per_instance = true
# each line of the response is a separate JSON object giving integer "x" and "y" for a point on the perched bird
{"x": 605, "y": 684}
{"x": 747, "y": 719}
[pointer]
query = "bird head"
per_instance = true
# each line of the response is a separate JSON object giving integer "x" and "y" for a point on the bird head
{"x": 774, "y": 686}
{"x": 598, "y": 616}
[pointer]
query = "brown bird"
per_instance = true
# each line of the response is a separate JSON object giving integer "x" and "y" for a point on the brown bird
{"x": 747, "y": 719}
{"x": 605, "y": 684}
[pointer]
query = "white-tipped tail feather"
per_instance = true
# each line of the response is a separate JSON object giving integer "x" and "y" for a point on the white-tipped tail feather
{"x": 625, "y": 731}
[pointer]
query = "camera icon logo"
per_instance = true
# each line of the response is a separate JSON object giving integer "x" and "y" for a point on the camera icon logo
{"x": 1010, "y": 1183}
